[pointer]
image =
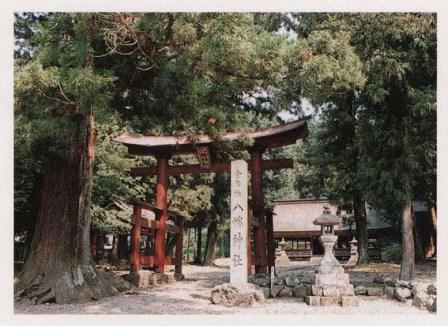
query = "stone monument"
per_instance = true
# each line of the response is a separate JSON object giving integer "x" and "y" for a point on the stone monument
{"x": 238, "y": 292}
{"x": 238, "y": 223}
{"x": 331, "y": 283}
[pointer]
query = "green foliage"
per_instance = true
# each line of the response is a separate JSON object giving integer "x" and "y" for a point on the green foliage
{"x": 392, "y": 251}
{"x": 399, "y": 125}
{"x": 371, "y": 78}
{"x": 322, "y": 66}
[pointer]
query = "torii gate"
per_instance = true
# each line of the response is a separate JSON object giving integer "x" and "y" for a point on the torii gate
{"x": 164, "y": 147}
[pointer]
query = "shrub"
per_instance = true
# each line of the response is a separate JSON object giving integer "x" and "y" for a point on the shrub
{"x": 392, "y": 251}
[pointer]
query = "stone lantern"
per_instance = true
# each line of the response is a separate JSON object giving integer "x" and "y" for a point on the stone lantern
{"x": 331, "y": 283}
{"x": 283, "y": 244}
{"x": 353, "y": 252}
{"x": 327, "y": 221}
{"x": 354, "y": 246}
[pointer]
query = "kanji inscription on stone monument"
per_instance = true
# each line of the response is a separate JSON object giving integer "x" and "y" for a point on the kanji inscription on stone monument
{"x": 238, "y": 222}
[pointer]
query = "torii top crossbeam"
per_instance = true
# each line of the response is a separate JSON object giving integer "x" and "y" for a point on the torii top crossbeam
{"x": 277, "y": 136}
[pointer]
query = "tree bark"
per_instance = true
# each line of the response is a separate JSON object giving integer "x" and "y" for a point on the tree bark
{"x": 198, "y": 245}
{"x": 431, "y": 250}
{"x": 60, "y": 267}
{"x": 188, "y": 245}
{"x": 417, "y": 240}
{"x": 359, "y": 210}
{"x": 212, "y": 234}
{"x": 408, "y": 256}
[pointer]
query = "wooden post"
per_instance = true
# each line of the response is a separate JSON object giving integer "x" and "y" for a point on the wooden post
{"x": 162, "y": 203}
{"x": 270, "y": 239}
{"x": 135, "y": 239}
{"x": 179, "y": 245}
{"x": 258, "y": 209}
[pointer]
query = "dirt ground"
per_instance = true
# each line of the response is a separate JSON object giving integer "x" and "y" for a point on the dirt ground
{"x": 191, "y": 296}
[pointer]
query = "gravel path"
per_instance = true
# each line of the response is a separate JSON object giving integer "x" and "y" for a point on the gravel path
{"x": 191, "y": 296}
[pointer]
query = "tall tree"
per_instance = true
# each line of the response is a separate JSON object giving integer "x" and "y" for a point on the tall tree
{"x": 63, "y": 85}
{"x": 399, "y": 116}
{"x": 162, "y": 73}
{"x": 325, "y": 69}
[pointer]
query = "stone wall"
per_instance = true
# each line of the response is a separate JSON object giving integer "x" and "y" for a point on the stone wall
{"x": 299, "y": 284}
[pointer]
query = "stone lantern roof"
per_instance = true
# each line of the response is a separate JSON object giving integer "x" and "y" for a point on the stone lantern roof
{"x": 327, "y": 218}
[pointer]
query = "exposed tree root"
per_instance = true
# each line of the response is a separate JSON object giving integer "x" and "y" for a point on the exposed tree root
{"x": 69, "y": 287}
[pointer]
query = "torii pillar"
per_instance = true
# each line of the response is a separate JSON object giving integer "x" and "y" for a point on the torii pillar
{"x": 256, "y": 154}
{"x": 162, "y": 203}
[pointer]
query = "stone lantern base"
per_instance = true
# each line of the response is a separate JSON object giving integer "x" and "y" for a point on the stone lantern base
{"x": 331, "y": 283}
{"x": 332, "y": 289}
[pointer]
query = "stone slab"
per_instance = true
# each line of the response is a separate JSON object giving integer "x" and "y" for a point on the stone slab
{"x": 275, "y": 290}
{"x": 362, "y": 290}
{"x": 374, "y": 291}
{"x": 278, "y": 280}
{"x": 349, "y": 301}
{"x": 301, "y": 291}
{"x": 389, "y": 291}
{"x": 326, "y": 279}
{"x": 347, "y": 290}
{"x": 312, "y": 300}
{"x": 330, "y": 301}
{"x": 330, "y": 291}
{"x": 286, "y": 292}
{"x": 292, "y": 281}
{"x": 316, "y": 290}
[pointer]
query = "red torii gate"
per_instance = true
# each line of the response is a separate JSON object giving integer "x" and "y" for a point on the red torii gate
{"x": 164, "y": 147}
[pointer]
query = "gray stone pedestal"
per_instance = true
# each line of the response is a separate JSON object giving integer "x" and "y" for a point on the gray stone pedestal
{"x": 331, "y": 283}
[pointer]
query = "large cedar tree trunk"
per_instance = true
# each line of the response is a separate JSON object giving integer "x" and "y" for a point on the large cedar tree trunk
{"x": 359, "y": 210}
{"x": 210, "y": 247}
{"x": 60, "y": 267}
{"x": 408, "y": 256}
